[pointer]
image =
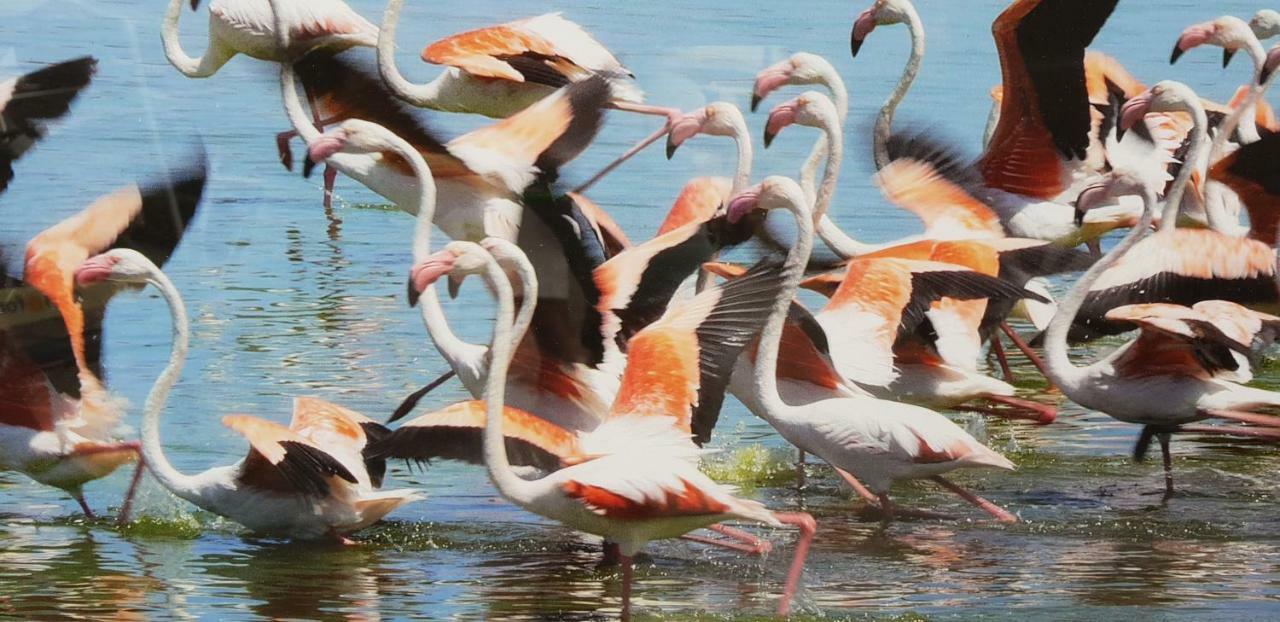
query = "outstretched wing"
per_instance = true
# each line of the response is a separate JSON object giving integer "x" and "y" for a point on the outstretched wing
{"x": 29, "y": 102}
{"x": 282, "y": 460}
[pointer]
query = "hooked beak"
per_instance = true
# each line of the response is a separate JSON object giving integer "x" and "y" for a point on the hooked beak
{"x": 862, "y": 27}
{"x": 1090, "y": 198}
{"x": 768, "y": 81}
{"x": 323, "y": 147}
{"x": 1133, "y": 112}
{"x": 1191, "y": 37}
{"x": 742, "y": 204}
{"x": 95, "y": 269}
{"x": 1227, "y": 53}
{"x": 687, "y": 127}
{"x": 780, "y": 117}
{"x": 428, "y": 272}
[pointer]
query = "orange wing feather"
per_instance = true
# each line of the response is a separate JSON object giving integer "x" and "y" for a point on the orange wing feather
{"x": 690, "y": 501}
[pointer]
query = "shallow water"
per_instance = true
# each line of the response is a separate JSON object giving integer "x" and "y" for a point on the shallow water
{"x": 284, "y": 304}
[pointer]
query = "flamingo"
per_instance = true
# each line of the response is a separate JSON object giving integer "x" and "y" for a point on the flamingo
{"x": 1174, "y": 372}
{"x": 1265, "y": 24}
{"x": 252, "y": 28}
{"x": 877, "y": 441}
{"x": 1231, "y": 34}
{"x": 307, "y": 481}
{"x": 500, "y": 70}
{"x": 1185, "y": 266}
{"x": 884, "y": 13}
{"x": 30, "y": 101}
{"x": 640, "y": 481}
{"x": 59, "y": 421}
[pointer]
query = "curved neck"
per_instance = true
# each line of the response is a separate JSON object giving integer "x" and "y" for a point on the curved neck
{"x": 1190, "y": 163}
{"x": 453, "y": 348}
{"x": 178, "y": 483}
{"x": 293, "y": 105}
{"x": 511, "y": 486}
{"x": 884, "y": 122}
{"x": 840, "y": 97}
{"x": 1062, "y": 372}
{"x": 202, "y": 67}
{"x": 832, "y": 141}
{"x": 765, "y": 382}
{"x": 1247, "y": 107}
{"x": 742, "y": 173}
{"x": 422, "y": 95}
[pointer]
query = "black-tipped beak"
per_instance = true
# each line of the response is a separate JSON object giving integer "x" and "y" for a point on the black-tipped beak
{"x": 1226, "y": 57}
{"x": 195, "y": 5}
{"x": 1120, "y": 132}
{"x": 768, "y": 139}
{"x": 671, "y": 149}
{"x": 1177, "y": 53}
{"x": 455, "y": 284}
{"x": 1079, "y": 218}
{"x": 414, "y": 294}
{"x": 755, "y": 101}
{"x": 855, "y": 44}
{"x": 308, "y": 165}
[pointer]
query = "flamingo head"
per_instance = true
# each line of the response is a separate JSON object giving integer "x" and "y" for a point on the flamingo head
{"x": 1101, "y": 196}
{"x": 882, "y": 13}
{"x": 1165, "y": 96}
{"x": 714, "y": 119}
{"x": 775, "y": 192}
{"x": 811, "y": 109}
{"x": 1227, "y": 32}
{"x": 801, "y": 68}
{"x": 458, "y": 260}
{"x": 1272, "y": 62}
{"x": 351, "y": 136}
{"x": 120, "y": 265}
{"x": 1265, "y": 24}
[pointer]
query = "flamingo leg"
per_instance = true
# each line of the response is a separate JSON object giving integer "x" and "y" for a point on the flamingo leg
{"x": 610, "y": 554}
{"x": 1026, "y": 349}
{"x": 997, "y": 348}
{"x": 1245, "y": 417}
{"x": 1168, "y": 464}
{"x": 1232, "y": 430}
{"x": 84, "y": 506}
{"x": 1019, "y": 409}
{"x": 110, "y": 448}
{"x": 341, "y": 539}
{"x": 126, "y": 508}
{"x": 886, "y": 510}
{"x": 996, "y": 511}
{"x": 283, "y": 138}
{"x": 857, "y": 487}
{"x": 800, "y": 476}
{"x": 877, "y": 502}
{"x": 672, "y": 116}
{"x": 628, "y": 572}
{"x": 330, "y": 174}
{"x": 808, "y": 527}
{"x": 743, "y": 541}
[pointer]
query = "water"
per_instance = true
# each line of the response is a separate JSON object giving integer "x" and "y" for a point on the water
{"x": 282, "y": 305}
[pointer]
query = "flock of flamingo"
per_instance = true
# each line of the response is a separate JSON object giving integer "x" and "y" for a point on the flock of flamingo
{"x": 606, "y": 370}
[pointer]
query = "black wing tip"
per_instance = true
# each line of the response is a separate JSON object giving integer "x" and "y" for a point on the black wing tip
{"x": 587, "y": 99}
{"x": 936, "y": 150}
{"x": 308, "y": 468}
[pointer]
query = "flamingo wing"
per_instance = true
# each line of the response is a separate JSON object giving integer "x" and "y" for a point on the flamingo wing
{"x": 282, "y": 460}
{"x": 1180, "y": 335}
{"x": 29, "y": 102}
{"x": 330, "y": 425}
{"x": 1045, "y": 117}
{"x": 456, "y": 432}
{"x": 149, "y": 219}
{"x": 932, "y": 181}
{"x": 1253, "y": 172}
{"x": 1183, "y": 267}
{"x": 636, "y": 486}
{"x": 699, "y": 200}
{"x": 679, "y": 366}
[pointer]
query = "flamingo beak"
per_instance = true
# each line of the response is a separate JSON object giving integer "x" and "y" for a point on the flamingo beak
{"x": 742, "y": 204}
{"x": 1132, "y": 112}
{"x": 424, "y": 274}
{"x": 862, "y": 27}
{"x": 195, "y": 5}
{"x": 95, "y": 269}
{"x": 1227, "y": 54}
{"x": 780, "y": 117}
{"x": 455, "y": 284}
{"x": 323, "y": 147}
{"x": 768, "y": 81}
{"x": 687, "y": 127}
{"x": 1191, "y": 37}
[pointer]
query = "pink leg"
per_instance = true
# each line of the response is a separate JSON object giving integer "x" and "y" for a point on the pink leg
{"x": 1026, "y": 349}
{"x": 126, "y": 508}
{"x": 1245, "y": 417}
{"x": 110, "y": 448}
{"x": 672, "y": 116}
{"x": 998, "y": 512}
{"x": 997, "y": 348}
{"x": 808, "y": 527}
{"x": 628, "y": 572}
{"x": 857, "y": 487}
{"x": 1230, "y": 430}
{"x": 743, "y": 542}
{"x": 1025, "y": 410}
{"x": 330, "y": 177}
{"x": 341, "y": 539}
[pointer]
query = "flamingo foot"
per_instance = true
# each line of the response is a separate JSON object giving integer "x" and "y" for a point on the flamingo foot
{"x": 994, "y": 510}
{"x": 628, "y": 574}
{"x": 282, "y": 146}
{"x": 341, "y": 539}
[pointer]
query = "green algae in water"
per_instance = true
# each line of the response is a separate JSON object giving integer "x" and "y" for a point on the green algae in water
{"x": 186, "y": 527}
{"x": 752, "y": 467}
